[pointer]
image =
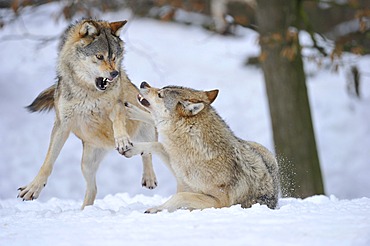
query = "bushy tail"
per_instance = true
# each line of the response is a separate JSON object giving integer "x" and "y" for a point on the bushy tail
{"x": 44, "y": 101}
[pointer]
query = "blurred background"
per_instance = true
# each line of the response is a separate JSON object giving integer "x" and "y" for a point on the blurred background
{"x": 293, "y": 76}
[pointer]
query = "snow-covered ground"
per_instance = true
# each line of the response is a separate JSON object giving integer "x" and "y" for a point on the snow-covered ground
{"x": 162, "y": 54}
{"x": 119, "y": 220}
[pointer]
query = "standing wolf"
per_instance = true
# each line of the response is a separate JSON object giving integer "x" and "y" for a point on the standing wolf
{"x": 212, "y": 166}
{"x": 88, "y": 101}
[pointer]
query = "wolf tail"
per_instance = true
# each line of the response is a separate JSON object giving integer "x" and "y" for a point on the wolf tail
{"x": 44, "y": 101}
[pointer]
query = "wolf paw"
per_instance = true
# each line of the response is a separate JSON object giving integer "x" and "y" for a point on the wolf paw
{"x": 131, "y": 151}
{"x": 153, "y": 210}
{"x": 149, "y": 181}
{"x": 133, "y": 112}
{"x": 122, "y": 144}
{"x": 31, "y": 191}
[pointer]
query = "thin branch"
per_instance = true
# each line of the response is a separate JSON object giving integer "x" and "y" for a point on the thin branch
{"x": 308, "y": 26}
{"x": 43, "y": 39}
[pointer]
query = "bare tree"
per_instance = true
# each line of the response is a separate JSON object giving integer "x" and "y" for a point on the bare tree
{"x": 287, "y": 95}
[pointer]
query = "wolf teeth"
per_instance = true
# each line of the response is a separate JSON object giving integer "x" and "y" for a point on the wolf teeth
{"x": 141, "y": 98}
{"x": 107, "y": 80}
{"x": 143, "y": 101}
{"x": 102, "y": 83}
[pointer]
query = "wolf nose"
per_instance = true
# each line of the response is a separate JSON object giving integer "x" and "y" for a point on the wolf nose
{"x": 144, "y": 85}
{"x": 114, "y": 74}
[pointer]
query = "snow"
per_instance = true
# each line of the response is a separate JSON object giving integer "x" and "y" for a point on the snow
{"x": 119, "y": 220}
{"x": 162, "y": 54}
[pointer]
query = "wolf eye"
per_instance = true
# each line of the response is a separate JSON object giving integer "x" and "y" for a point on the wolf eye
{"x": 100, "y": 57}
{"x": 160, "y": 95}
{"x": 114, "y": 59}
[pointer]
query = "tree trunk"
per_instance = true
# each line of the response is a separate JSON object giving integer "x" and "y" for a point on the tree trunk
{"x": 288, "y": 100}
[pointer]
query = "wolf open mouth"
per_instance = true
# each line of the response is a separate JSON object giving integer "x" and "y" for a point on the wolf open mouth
{"x": 143, "y": 101}
{"x": 102, "y": 83}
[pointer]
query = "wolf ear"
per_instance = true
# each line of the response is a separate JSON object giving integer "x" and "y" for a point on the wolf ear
{"x": 88, "y": 29}
{"x": 211, "y": 95}
{"x": 117, "y": 26}
{"x": 188, "y": 108}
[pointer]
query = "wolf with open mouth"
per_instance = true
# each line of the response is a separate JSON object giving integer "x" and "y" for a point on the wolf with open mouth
{"x": 88, "y": 101}
{"x": 212, "y": 166}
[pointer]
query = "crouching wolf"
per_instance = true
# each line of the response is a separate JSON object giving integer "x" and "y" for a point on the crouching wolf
{"x": 212, "y": 166}
{"x": 88, "y": 101}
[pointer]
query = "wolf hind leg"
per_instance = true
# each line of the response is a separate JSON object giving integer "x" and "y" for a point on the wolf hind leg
{"x": 270, "y": 200}
{"x": 187, "y": 200}
{"x": 58, "y": 137}
{"x": 91, "y": 159}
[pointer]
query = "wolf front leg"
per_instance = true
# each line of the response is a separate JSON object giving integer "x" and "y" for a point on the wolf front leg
{"x": 58, "y": 137}
{"x": 91, "y": 159}
{"x": 123, "y": 143}
{"x": 187, "y": 200}
{"x": 149, "y": 180}
{"x": 135, "y": 113}
{"x": 146, "y": 148}
{"x": 121, "y": 137}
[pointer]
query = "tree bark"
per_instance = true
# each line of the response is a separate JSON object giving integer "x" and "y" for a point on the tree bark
{"x": 288, "y": 100}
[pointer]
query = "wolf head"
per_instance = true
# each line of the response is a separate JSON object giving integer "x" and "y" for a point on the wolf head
{"x": 173, "y": 101}
{"x": 92, "y": 51}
